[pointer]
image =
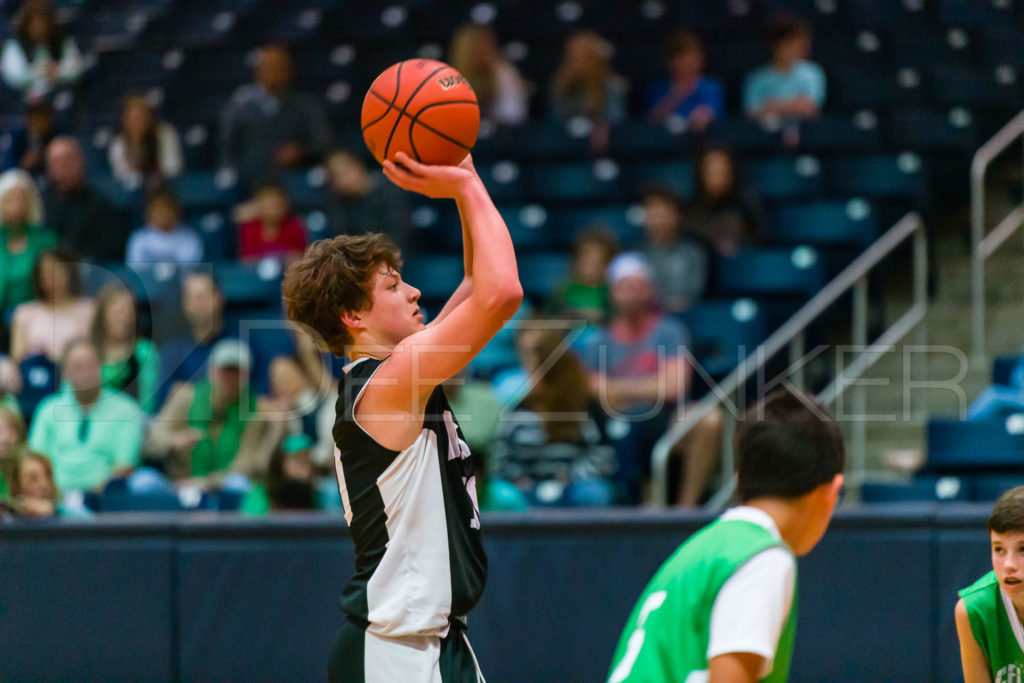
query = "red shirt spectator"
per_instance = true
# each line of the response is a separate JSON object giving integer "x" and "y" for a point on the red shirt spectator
{"x": 274, "y": 230}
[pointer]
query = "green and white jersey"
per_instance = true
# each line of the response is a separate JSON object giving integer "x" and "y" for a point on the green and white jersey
{"x": 729, "y": 588}
{"x": 996, "y": 628}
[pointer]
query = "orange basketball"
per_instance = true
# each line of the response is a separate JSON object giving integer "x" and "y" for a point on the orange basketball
{"x": 424, "y": 108}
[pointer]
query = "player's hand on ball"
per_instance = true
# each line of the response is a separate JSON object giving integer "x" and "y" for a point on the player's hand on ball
{"x": 433, "y": 181}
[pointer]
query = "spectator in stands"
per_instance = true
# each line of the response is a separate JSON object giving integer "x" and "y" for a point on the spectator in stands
{"x": 13, "y": 440}
{"x": 500, "y": 90}
{"x": 211, "y": 428}
{"x": 164, "y": 238}
{"x": 723, "y": 214}
{"x": 585, "y": 294}
{"x": 584, "y": 85}
{"x": 22, "y": 237}
{"x": 183, "y": 358}
{"x": 269, "y": 125}
{"x": 999, "y": 401}
{"x": 678, "y": 259}
{"x": 82, "y": 218}
{"x": 39, "y": 58}
{"x": 26, "y": 148}
{"x": 275, "y": 231}
{"x": 290, "y": 482}
{"x": 145, "y": 150}
{"x": 33, "y": 489}
{"x": 90, "y": 432}
{"x": 10, "y": 385}
{"x": 687, "y": 92}
{"x": 553, "y": 447}
{"x": 358, "y": 201}
{"x": 129, "y": 363}
{"x": 640, "y": 372}
{"x": 790, "y": 86}
{"x": 58, "y": 313}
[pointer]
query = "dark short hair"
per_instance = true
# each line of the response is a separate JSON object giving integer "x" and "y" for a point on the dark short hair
{"x": 65, "y": 256}
{"x": 785, "y": 28}
{"x": 786, "y": 447}
{"x": 330, "y": 279}
{"x": 1008, "y": 512}
{"x": 682, "y": 43}
{"x": 599, "y": 236}
{"x": 663, "y": 193}
{"x": 270, "y": 184}
{"x": 165, "y": 194}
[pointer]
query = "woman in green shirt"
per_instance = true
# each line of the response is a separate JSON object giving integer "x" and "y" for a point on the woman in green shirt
{"x": 991, "y": 610}
{"x": 22, "y": 237}
{"x": 129, "y": 363}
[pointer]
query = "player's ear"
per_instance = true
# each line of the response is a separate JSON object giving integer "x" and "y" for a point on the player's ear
{"x": 352, "y": 319}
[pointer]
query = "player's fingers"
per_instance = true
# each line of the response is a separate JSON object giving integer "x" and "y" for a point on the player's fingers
{"x": 414, "y": 166}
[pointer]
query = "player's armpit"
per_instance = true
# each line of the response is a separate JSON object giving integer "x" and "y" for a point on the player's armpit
{"x": 972, "y": 659}
{"x": 735, "y": 667}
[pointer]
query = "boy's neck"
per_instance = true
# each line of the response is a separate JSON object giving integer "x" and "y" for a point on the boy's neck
{"x": 788, "y": 517}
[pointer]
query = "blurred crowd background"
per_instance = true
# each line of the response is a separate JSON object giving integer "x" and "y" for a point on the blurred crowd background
{"x": 678, "y": 177}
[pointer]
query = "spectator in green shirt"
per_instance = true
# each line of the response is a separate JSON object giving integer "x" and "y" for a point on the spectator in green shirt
{"x": 91, "y": 433}
{"x": 22, "y": 237}
{"x": 585, "y": 293}
{"x": 212, "y": 428}
{"x": 290, "y": 481}
{"x": 130, "y": 364}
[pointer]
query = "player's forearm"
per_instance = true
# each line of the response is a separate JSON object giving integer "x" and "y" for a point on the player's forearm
{"x": 492, "y": 257}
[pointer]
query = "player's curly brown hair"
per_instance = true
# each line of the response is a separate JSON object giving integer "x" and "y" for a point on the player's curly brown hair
{"x": 330, "y": 279}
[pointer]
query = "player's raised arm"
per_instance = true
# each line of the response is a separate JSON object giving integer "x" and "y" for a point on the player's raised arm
{"x": 434, "y": 354}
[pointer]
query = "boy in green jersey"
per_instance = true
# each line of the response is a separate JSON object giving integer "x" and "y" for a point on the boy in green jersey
{"x": 723, "y": 607}
{"x": 990, "y": 612}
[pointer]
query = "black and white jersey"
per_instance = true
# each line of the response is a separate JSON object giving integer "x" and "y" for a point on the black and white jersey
{"x": 413, "y": 516}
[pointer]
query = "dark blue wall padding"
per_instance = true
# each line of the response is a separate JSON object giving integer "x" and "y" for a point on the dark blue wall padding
{"x": 197, "y": 596}
{"x": 91, "y": 602}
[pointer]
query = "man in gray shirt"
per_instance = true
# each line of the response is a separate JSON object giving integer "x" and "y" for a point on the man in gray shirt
{"x": 268, "y": 126}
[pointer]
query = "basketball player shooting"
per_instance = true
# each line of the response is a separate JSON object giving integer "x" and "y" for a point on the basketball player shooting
{"x": 404, "y": 470}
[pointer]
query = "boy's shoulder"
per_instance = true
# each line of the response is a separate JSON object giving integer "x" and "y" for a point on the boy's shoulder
{"x": 985, "y": 584}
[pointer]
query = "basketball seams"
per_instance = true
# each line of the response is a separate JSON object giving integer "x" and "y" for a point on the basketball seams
{"x": 415, "y": 121}
{"x": 398, "y": 89}
{"x": 402, "y": 113}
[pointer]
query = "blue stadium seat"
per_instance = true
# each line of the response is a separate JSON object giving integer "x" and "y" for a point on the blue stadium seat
{"x": 549, "y": 142}
{"x": 826, "y": 223}
{"x": 268, "y": 336}
{"x": 786, "y": 179}
{"x": 435, "y": 275}
{"x": 900, "y": 176}
{"x": 986, "y": 488}
{"x": 928, "y": 130}
{"x": 40, "y": 377}
{"x": 922, "y": 488}
{"x": 204, "y": 190}
{"x": 745, "y": 136}
{"x": 643, "y": 140}
{"x": 503, "y": 180}
{"x": 1002, "y": 369}
{"x": 622, "y": 220}
{"x": 598, "y": 181}
{"x": 217, "y": 232}
{"x": 158, "y": 283}
{"x": 541, "y": 274}
{"x": 723, "y": 333}
{"x": 530, "y": 227}
{"x": 677, "y": 175}
{"x": 250, "y": 284}
{"x": 118, "y": 497}
{"x": 961, "y": 85}
{"x": 965, "y": 446}
{"x": 305, "y": 188}
{"x": 771, "y": 272}
{"x": 832, "y": 133}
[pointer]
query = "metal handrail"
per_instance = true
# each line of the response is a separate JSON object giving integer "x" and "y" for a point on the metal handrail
{"x": 982, "y": 246}
{"x": 791, "y": 335}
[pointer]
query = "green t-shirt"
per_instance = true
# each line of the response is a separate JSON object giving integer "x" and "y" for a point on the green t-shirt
{"x": 138, "y": 375}
{"x": 990, "y": 626}
{"x": 16, "y": 269}
{"x": 667, "y": 634}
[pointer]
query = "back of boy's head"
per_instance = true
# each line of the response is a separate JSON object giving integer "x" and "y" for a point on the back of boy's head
{"x": 270, "y": 185}
{"x": 163, "y": 194}
{"x": 1008, "y": 512}
{"x": 786, "y": 447}
{"x": 786, "y": 28}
